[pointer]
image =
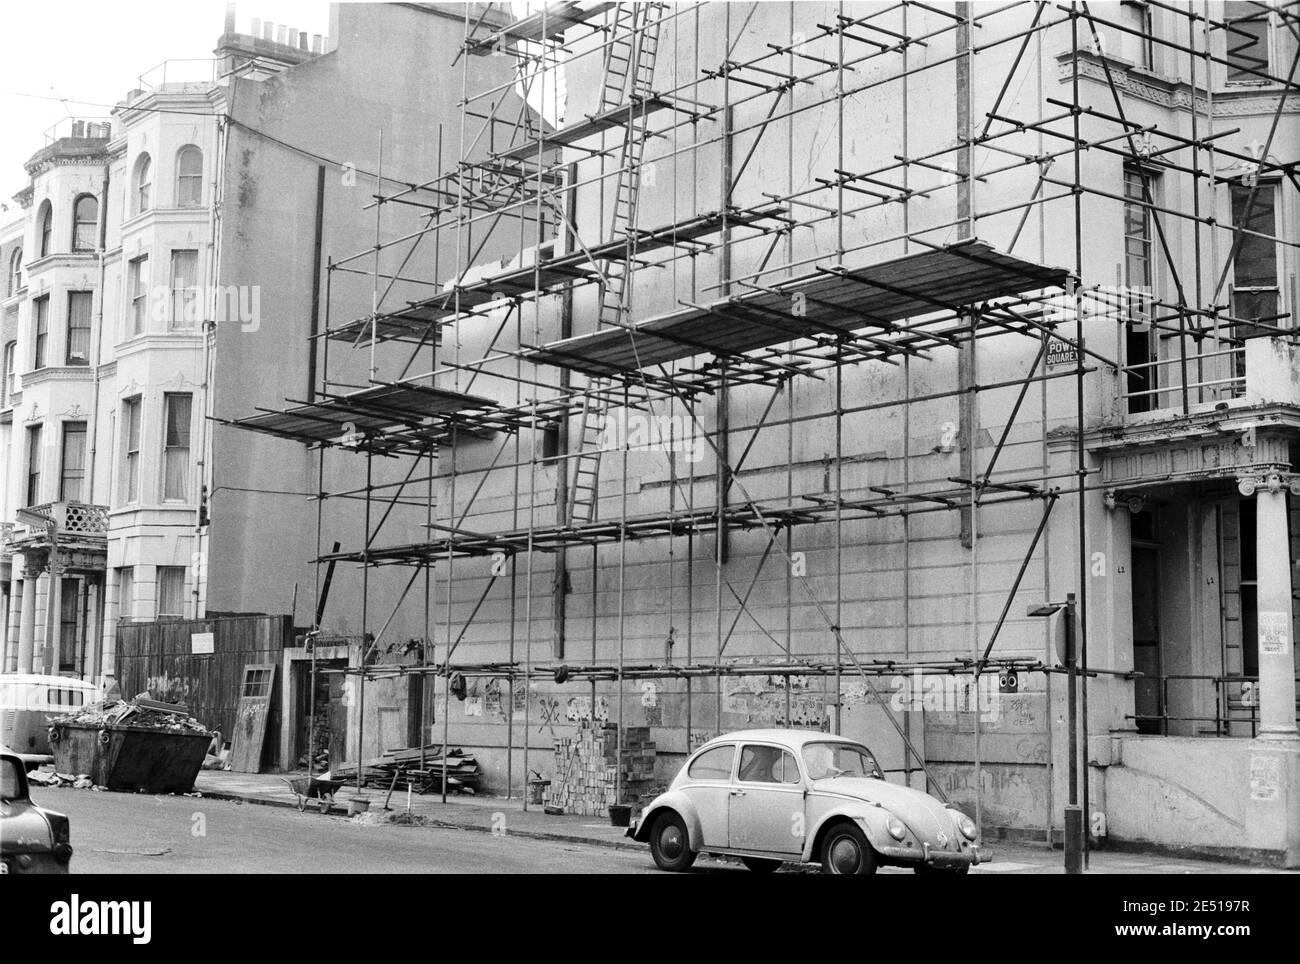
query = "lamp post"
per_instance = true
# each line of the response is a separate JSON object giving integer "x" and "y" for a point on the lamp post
{"x": 1073, "y": 811}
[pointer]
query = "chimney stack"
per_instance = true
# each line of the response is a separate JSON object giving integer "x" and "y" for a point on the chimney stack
{"x": 230, "y": 18}
{"x": 78, "y": 128}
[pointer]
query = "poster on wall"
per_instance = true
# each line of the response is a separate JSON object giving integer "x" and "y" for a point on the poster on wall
{"x": 202, "y": 643}
{"x": 1274, "y": 633}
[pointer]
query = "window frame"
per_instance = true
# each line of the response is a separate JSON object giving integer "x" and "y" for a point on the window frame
{"x": 172, "y": 572}
{"x": 182, "y": 178}
{"x": 9, "y": 376}
{"x": 168, "y": 448}
{"x": 40, "y": 332}
{"x": 782, "y": 753}
{"x": 45, "y": 229}
{"x": 76, "y": 297}
{"x": 180, "y": 320}
{"x": 15, "y": 282}
{"x": 79, "y": 246}
{"x": 138, "y": 292}
{"x": 142, "y": 184}
{"x": 35, "y": 444}
{"x": 71, "y": 428}
{"x": 1264, "y": 43}
{"x": 731, "y": 767}
{"x": 132, "y": 420}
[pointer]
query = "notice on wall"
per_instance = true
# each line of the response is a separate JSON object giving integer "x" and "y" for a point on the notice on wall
{"x": 1061, "y": 353}
{"x": 1274, "y": 633}
{"x": 201, "y": 643}
{"x": 474, "y": 706}
{"x": 1265, "y": 776}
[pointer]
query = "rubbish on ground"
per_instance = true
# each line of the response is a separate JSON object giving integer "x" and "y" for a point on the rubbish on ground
{"x": 139, "y": 711}
{"x": 463, "y": 771}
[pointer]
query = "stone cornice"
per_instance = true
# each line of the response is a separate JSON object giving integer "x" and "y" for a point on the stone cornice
{"x": 1173, "y": 94}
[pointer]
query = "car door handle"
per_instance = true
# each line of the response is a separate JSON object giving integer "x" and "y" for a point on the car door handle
{"x": 737, "y": 793}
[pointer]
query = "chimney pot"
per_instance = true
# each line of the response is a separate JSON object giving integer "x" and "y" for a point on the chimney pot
{"x": 302, "y": 40}
{"x": 257, "y": 26}
{"x": 280, "y": 32}
{"x": 230, "y": 18}
{"x": 268, "y": 30}
{"x": 293, "y": 36}
{"x": 78, "y": 128}
{"x": 315, "y": 43}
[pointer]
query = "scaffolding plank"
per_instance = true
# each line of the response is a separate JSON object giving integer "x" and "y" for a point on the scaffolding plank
{"x": 590, "y": 125}
{"x": 391, "y": 416}
{"x": 549, "y": 23}
{"x": 526, "y": 281}
{"x": 946, "y": 279}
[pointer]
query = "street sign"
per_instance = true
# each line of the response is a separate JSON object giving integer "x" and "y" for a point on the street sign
{"x": 34, "y": 519}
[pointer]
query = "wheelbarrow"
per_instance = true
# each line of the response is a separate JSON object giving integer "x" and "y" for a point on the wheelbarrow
{"x": 313, "y": 788}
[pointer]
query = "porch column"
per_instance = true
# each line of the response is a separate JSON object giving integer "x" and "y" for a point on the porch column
{"x": 1277, "y": 690}
{"x": 15, "y": 618}
{"x": 27, "y": 621}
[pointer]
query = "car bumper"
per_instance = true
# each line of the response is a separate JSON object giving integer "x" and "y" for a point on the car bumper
{"x": 40, "y": 863}
{"x": 939, "y": 859}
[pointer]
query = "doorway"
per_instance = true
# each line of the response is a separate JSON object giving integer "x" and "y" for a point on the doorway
{"x": 1149, "y": 707}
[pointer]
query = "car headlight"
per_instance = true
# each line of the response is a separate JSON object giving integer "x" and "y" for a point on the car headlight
{"x": 967, "y": 826}
{"x": 896, "y": 828}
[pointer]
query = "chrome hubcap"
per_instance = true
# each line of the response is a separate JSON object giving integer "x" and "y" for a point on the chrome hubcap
{"x": 845, "y": 855}
{"x": 670, "y": 842}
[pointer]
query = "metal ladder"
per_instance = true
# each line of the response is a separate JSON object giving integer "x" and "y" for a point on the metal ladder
{"x": 629, "y": 71}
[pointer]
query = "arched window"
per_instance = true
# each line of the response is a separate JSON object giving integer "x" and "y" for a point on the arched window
{"x": 142, "y": 185}
{"x": 85, "y": 220}
{"x": 189, "y": 177}
{"x": 45, "y": 229}
{"x": 15, "y": 273}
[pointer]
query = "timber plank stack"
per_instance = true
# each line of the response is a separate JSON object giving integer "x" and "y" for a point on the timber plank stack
{"x": 463, "y": 770}
{"x": 588, "y": 768}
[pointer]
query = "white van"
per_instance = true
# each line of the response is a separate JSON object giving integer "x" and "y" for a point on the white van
{"x": 29, "y": 701}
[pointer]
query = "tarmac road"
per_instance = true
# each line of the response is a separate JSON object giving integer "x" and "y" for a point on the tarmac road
{"x": 118, "y": 833}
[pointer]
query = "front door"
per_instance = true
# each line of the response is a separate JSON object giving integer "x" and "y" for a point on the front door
{"x": 767, "y": 802}
{"x": 1148, "y": 696}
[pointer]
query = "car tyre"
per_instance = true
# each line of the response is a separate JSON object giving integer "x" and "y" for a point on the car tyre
{"x": 761, "y": 865}
{"x": 670, "y": 844}
{"x": 845, "y": 850}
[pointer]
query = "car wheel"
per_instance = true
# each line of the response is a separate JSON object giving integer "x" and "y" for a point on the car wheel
{"x": 670, "y": 845}
{"x": 845, "y": 851}
{"x": 760, "y": 865}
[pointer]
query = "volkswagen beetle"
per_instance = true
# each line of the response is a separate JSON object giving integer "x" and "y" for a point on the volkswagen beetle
{"x": 33, "y": 840}
{"x": 771, "y": 796}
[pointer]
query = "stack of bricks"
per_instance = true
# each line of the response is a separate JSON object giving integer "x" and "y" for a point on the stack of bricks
{"x": 587, "y": 769}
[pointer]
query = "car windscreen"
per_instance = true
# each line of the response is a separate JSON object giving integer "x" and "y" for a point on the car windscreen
{"x": 823, "y": 760}
{"x": 11, "y": 786}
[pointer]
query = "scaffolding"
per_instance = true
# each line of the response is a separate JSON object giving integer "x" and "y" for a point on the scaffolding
{"x": 770, "y": 314}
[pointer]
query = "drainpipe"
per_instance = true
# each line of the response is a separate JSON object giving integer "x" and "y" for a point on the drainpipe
{"x": 96, "y": 661}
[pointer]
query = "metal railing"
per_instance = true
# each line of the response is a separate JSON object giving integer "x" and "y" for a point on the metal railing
{"x": 1221, "y": 379}
{"x": 1236, "y": 705}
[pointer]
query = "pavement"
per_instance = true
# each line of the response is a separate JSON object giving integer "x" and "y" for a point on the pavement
{"x": 505, "y": 816}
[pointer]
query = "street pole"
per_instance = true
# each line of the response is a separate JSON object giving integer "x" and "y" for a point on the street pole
{"x": 1073, "y": 812}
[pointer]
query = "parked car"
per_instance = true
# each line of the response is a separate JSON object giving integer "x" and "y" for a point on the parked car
{"x": 771, "y": 796}
{"x": 33, "y": 840}
{"x": 29, "y": 701}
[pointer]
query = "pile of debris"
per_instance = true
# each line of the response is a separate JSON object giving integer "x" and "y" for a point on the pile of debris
{"x": 401, "y": 768}
{"x": 139, "y": 711}
{"x": 590, "y": 774}
{"x": 48, "y": 778}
